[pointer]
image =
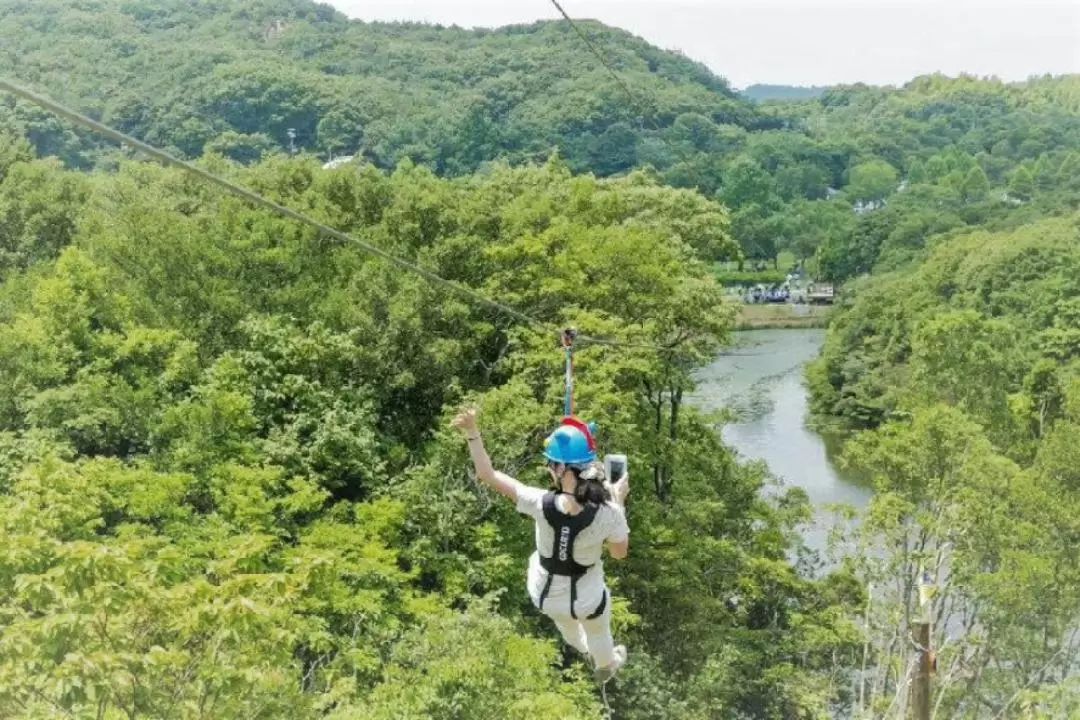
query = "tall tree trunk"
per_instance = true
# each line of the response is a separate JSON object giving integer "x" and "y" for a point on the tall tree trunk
{"x": 656, "y": 402}
{"x": 675, "y": 396}
{"x": 658, "y": 467}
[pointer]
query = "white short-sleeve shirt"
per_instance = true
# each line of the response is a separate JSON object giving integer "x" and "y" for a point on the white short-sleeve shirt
{"x": 608, "y": 525}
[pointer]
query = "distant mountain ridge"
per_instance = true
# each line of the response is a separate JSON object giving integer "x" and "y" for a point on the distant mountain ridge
{"x": 251, "y": 76}
{"x": 760, "y": 91}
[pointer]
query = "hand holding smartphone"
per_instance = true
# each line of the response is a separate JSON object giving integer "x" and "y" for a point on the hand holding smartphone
{"x": 615, "y": 468}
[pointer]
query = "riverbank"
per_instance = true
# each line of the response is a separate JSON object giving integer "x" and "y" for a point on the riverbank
{"x": 781, "y": 316}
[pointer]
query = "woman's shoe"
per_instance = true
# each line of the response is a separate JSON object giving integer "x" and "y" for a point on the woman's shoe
{"x": 604, "y": 674}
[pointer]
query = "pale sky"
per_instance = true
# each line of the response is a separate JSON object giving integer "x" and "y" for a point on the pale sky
{"x": 805, "y": 42}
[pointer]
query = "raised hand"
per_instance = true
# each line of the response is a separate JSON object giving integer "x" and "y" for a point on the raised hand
{"x": 466, "y": 421}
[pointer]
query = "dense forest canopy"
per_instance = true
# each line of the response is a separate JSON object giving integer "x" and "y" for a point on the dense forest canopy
{"x": 961, "y": 372}
{"x": 227, "y": 485}
{"x": 235, "y": 77}
{"x": 954, "y": 356}
{"x": 241, "y": 74}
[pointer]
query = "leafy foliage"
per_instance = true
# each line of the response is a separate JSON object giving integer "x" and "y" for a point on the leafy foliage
{"x": 984, "y": 304}
{"x": 228, "y": 487}
{"x": 226, "y": 480}
{"x": 962, "y": 374}
{"x": 959, "y": 150}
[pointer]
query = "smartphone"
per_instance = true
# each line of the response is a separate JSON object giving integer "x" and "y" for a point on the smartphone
{"x": 614, "y": 467}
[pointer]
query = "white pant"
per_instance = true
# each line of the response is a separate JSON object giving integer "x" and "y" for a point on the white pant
{"x": 592, "y": 637}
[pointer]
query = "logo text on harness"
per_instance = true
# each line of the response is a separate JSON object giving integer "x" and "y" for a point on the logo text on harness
{"x": 564, "y": 542}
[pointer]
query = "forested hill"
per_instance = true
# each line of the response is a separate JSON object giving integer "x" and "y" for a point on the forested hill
{"x": 233, "y": 77}
{"x": 940, "y": 154}
{"x": 238, "y": 74}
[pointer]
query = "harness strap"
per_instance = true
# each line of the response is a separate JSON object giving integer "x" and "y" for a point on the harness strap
{"x": 573, "y": 599}
{"x": 599, "y": 608}
{"x": 562, "y": 561}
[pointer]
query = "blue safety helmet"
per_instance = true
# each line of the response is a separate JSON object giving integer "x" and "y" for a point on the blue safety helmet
{"x": 571, "y": 443}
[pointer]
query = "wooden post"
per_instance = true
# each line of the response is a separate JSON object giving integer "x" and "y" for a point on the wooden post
{"x": 920, "y": 685}
{"x": 866, "y": 645}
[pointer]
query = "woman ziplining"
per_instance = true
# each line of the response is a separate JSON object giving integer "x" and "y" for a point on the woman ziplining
{"x": 565, "y": 578}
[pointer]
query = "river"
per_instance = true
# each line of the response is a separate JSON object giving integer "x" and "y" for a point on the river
{"x": 761, "y": 380}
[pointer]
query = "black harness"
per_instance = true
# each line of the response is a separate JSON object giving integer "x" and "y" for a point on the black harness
{"x": 562, "y": 561}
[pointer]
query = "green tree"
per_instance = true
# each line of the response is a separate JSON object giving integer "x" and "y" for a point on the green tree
{"x": 917, "y": 173}
{"x": 941, "y": 510}
{"x": 745, "y": 183}
{"x": 39, "y": 205}
{"x": 1022, "y": 183}
{"x": 1068, "y": 174}
{"x": 750, "y": 192}
{"x": 340, "y": 129}
{"x": 976, "y": 185}
{"x": 242, "y": 148}
{"x": 936, "y": 168}
{"x": 872, "y": 180}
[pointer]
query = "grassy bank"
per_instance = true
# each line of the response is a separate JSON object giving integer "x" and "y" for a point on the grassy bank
{"x": 752, "y": 317}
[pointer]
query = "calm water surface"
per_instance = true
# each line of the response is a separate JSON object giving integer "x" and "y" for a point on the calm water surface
{"x": 761, "y": 380}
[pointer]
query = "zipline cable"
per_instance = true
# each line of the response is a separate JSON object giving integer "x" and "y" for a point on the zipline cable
{"x": 253, "y": 197}
{"x": 641, "y": 104}
{"x": 596, "y": 51}
{"x": 568, "y": 346}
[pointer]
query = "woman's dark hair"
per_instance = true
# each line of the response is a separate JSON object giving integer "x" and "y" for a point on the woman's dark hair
{"x": 590, "y": 488}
